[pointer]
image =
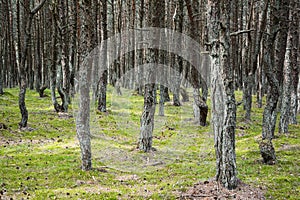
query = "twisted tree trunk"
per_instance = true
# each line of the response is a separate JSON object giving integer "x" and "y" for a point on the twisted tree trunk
{"x": 22, "y": 66}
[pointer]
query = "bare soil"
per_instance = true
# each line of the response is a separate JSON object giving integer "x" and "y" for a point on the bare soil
{"x": 211, "y": 189}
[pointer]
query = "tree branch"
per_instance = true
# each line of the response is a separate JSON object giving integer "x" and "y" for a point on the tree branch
{"x": 241, "y": 32}
{"x": 38, "y": 7}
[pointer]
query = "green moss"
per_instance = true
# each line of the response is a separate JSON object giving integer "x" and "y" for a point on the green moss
{"x": 45, "y": 163}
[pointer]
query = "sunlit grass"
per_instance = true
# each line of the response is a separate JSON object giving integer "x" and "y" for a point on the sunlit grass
{"x": 45, "y": 163}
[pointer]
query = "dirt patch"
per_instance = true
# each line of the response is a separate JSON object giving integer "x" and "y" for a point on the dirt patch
{"x": 11, "y": 142}
{"x": 211, "y": 189}
{"x": 287, "y": 147}
{"x": 3, "y": 126}
{"x": 127, "y": 178}
{"x": 63, "y": 115}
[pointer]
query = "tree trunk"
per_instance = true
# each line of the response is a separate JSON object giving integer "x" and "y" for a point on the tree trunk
{"x": 273, "y": 67}
{"x": 22, "y": 66}
{"x": 162, "y": 60}
{"x": 83, "y": 117}
{"x": 288, "y": 66}
{"x": 199, "y": 102}
{"x": 147, "y": 118}
{"x": 270, "y": 113}
{"x": 223, "y": 99}
{"x": 178, "y": 61}
{"x": 103, "y": 61}
{"x": 1, "y": 68}
{"x": 200, "y": 108}
{"x": 85, "y": 78}
{"x": 254, "y": 40}
{"x": 295, "y": 68}
{"x": 184, "y": 95}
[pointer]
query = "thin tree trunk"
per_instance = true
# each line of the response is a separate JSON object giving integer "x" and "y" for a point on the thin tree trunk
{"x": 162, "y": 60}
{"x": 22, "y": 66}
{"x": 86, "y": 63}
{"x": 53, "y": 66}
{"x": 147, "y": 118}
{"x": 178, "y": 61}
{"x": 273, "y": 67}
{"x": 103, "y": 61}
{"x": 1, "y": 71}
{"x": 269, "y": 117}
{"x": 295, "y": 68}
{"x": 289, "y": 64}
{"x": 199, "y": 107}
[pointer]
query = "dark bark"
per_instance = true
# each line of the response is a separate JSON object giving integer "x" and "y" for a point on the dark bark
{"x": 161, "y": 111}
{"x": 163, "y": 72}
{"x": 267, "y": 152}
{"x": 184, "y": 94}
{"x": 195, "y": 71}
{"x": 166, "y": 94}
{"x": 273, "y": 64}
{"x": 140, "y": 73}
{"x": 22, "y": 66}
{"x": 1, "y": 68}
{"x": 254, "y": 39}
{"x": 200, "y": 104}
{"x": 178, "y": 61}
{"x": 103, "y": 61}
{"x": 295, "y": 68}
{"x": 38, "y": 61}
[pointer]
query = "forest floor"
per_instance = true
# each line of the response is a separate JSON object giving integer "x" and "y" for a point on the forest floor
{"x": 43, "y": 161}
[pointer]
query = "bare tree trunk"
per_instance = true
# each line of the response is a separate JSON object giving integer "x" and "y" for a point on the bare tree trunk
{"x": 22, "y": 66}
{"x": 199, "y": 107}
{"x": 103, "y": 62}
{"x": 289, "y": 64}
{"x": 254, "y": 40}
{"x": 295, "y": 68}
{"x": 223, "y": 99}
{"x": 85, "y": 76}
{"x": 1, "y": 63}
{"x": 271, "y": 70}
{"x": 83, "y": 117}
{"x": 147, "y": 118}
{"x": 1, "y": 72}
{"x": 53, "y": 66}
{"x": 178, "y": 61}
{"x": 162, "y": 60}
{"x": 273, "y": 67}
{"x": 140, "y": 73}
